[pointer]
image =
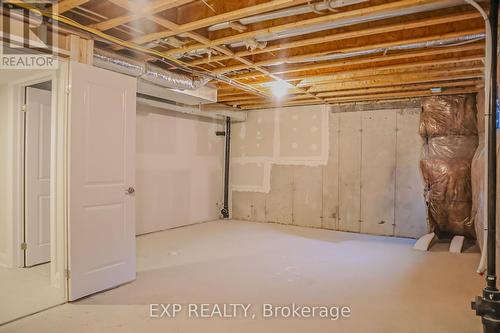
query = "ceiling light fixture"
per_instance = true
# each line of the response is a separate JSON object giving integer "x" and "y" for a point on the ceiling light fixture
{"x": 279, "y": 88}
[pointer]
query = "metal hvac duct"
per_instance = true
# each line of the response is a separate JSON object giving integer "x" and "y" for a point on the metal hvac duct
{"x": 432, "y": 43}
{"x": 146, "y": 72}
{"x": 351, "y": 21}
{"x": 331, "y": 5}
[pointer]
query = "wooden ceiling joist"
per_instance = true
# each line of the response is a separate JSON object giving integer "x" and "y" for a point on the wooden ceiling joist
{"x": 223, "y": 17}
{"x": 138, "y": 12}
{"x": 391, "y": 73}
{"x": 353, "y": 14}
{"x": 305, "y": 57}
{"x": 374, "y": 97}
{"x": 66, "y": 5}
{"x": 366, "y": 60}
{"x": 346, "y": 35}
{"x": 387, "y": 80}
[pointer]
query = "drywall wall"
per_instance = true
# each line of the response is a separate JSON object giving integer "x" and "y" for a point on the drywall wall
{"x": 351, "y": 171}
{"x": 179, "y": 169}
{"x": 290, "y": 136}
{"x": 5, "y": 185}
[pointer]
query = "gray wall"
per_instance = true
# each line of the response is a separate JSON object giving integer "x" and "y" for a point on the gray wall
{"x": 369, "y": 182}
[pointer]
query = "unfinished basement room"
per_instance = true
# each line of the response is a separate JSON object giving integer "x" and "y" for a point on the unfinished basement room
{"x": 200, "y": 166}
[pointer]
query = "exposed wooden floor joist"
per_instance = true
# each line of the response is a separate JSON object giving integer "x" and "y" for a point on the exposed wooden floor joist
{"x": 455, "y": 66}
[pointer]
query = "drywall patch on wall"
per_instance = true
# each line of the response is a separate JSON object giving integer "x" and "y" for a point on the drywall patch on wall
{"x": 251, "y": 176}
{"x": 281, "y": 136}
{"x": 371, "y": 182}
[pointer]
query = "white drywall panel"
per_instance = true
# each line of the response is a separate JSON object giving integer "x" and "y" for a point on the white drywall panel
{"x": 349, "y": 171}
{"x": 378, "y": 167}
{"x": 284, "y": 136}
{"x": 331, "y": 177}
{"x": 302, "y": 134}
{"x": 410, "y": 205}
{"x": 179, "y": 169}
{"x": 279, "y": 200}
{"x": 250, "y": 176}
{"x": 254, "y": 138}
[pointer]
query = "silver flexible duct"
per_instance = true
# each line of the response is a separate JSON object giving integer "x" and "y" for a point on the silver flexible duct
{"x": 146, "y": 72}
{"x": 428, "y": 44}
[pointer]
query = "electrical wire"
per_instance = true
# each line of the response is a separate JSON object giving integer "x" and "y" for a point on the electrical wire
{"x": 200, "y": 71}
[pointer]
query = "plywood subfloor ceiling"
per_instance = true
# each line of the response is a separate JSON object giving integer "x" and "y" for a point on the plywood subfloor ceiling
{"x": 323, "y": 51}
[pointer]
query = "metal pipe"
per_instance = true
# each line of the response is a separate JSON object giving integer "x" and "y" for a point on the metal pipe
{"x": 491, "y": 277}
{"x": 488, "y": 305}
{"x": 344, "y": 22}
{"x": 225, "y": 209}
{"x": 299, "y": 10}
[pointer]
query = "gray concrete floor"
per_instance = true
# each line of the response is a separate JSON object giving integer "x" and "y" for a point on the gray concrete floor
{"x": 389, "y": 286}
{"x": 26, "y": 290}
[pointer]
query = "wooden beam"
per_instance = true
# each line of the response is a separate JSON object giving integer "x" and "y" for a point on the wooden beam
{"x": 419, "y": 93}
{"x": 352, "y": 14}
{"x": 66, "y": 5}
{"x": 364, "y": 91}
{"x": 320, "y": 78}
{"x": 138, "y": 12}
{"x": 307, "y": 79}
{"x": 80, "y": 49}
{"x": 171, "y": 25}
{"x": 410, "y": 87}
{"x": 351, "y": 34}
{"x": 366, "y": 60}
{"x": 306, "y": 56}
{"x": 223, "y": 17}
{"x": 391, "y": 80}
{"x": 368, "y": 91}
{"x": 377, "y": 97}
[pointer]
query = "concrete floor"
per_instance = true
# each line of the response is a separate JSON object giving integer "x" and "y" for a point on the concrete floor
{"x": 26, "y": 290}
{"x": 389, "y": 286}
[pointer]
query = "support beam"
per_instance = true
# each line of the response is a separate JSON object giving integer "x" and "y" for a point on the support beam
{"x": 375, "y": 97}
{"x": 80, "y": 49}
{"x": 66, "y": 5}
{"x": 366, "y": 60}
{"x": 223, "y": 17}
{"x": 138, "y": 12}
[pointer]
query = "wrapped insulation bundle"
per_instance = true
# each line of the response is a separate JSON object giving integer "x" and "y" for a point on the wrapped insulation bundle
{"x": 448, "y": 126}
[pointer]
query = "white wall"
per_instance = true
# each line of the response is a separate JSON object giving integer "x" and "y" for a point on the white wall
{"x": 5, "y": 185}
{"x": 179, "y": 169}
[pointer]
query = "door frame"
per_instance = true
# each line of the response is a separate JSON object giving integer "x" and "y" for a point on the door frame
{"x": 58, "y": 172}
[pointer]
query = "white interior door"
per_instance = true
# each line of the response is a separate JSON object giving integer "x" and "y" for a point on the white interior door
{"x": 101, "y": 227}
{"x": 37, "y": 176}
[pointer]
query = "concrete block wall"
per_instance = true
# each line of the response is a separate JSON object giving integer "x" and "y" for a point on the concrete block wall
{"x": 367, "y": 181}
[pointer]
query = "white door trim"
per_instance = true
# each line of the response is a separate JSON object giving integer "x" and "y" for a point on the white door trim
{"x": 16, "y": 90}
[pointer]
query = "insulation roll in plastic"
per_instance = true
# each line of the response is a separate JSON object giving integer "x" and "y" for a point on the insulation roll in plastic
{"x": 449, "y": 128}
{"x": 448, "y": 115}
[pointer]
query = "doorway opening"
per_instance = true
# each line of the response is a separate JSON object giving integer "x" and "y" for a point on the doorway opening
{"x": 32, "y": 262}
{"x": 36, "y": 184}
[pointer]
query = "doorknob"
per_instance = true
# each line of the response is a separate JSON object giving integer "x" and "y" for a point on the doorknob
{"x": 130, "y": 190}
